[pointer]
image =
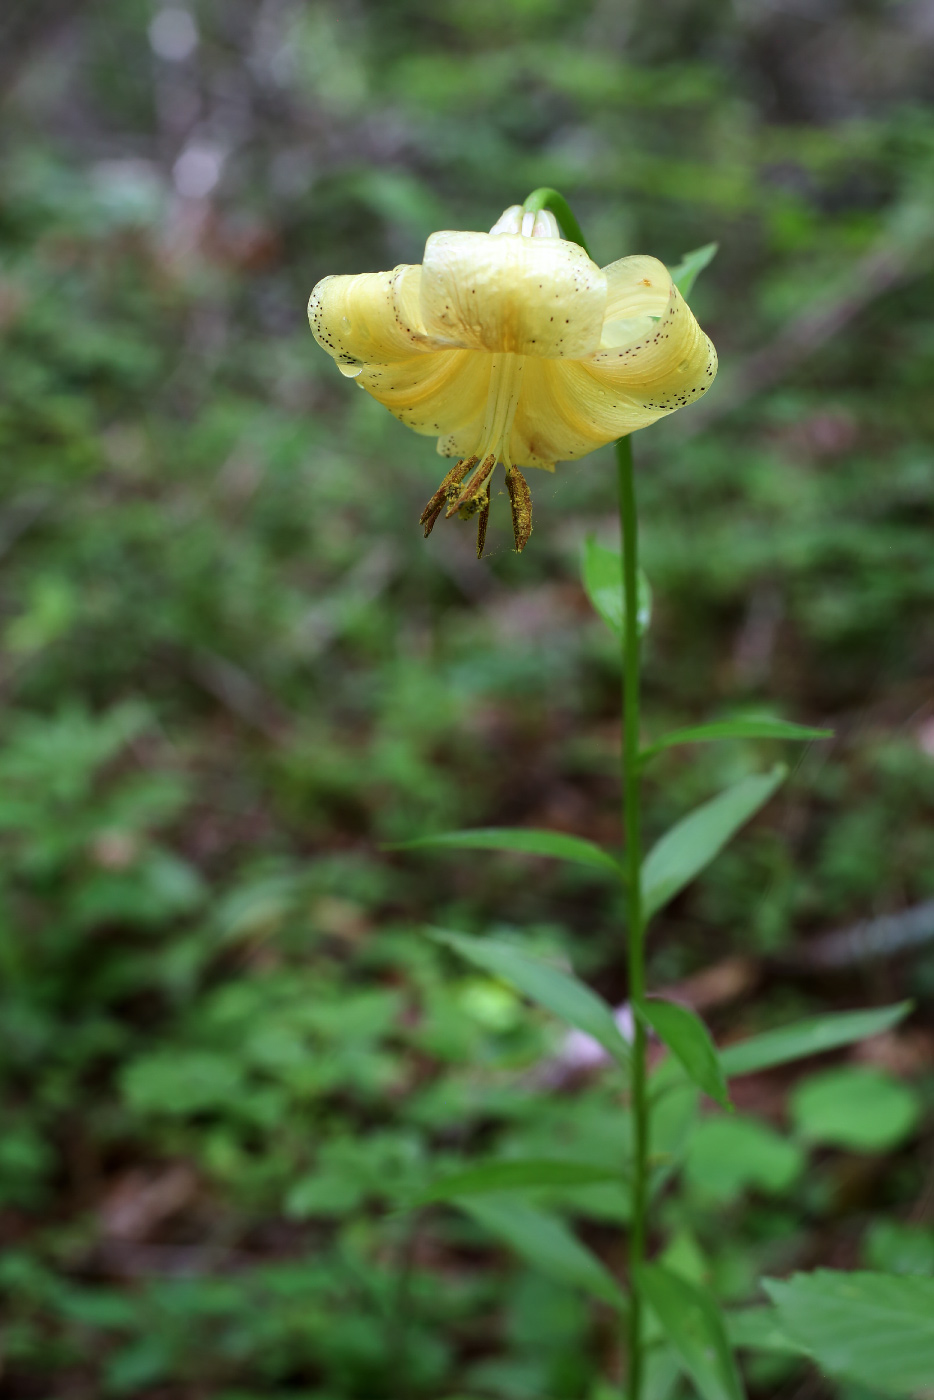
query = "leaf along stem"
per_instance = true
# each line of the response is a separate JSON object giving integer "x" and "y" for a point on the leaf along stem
{"x": 546, "y": 198}
{"x": 634, "y": 911}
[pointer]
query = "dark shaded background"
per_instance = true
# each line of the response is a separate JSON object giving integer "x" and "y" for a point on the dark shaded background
{"x": 230, "y": 668}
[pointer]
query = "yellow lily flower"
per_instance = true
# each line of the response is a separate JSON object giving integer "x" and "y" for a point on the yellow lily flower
{"x": 513, "y": 346}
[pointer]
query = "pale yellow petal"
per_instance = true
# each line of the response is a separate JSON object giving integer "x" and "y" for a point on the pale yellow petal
{"x": 636, "y": 286}
{"x": 652, "y": 347}
{"x": 505, "y": 293}
{"x": 439, "y": 394}
{"x": 564, "y": 413}
{"x": 510, "y": 221}
{"x": 372, "y": 318}
{"x": 569, "y": 408}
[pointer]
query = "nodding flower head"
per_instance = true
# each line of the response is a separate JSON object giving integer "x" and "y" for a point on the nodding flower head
{"x": 512, "y": 346}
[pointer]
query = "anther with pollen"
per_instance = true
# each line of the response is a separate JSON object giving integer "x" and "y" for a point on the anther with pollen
{"x": 446, "y": 493}
{"x": 482, "y": 523}
{"x": 474, "y": 493}
{"x": 520, "y": 498}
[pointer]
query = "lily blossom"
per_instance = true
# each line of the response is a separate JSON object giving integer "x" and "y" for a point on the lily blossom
{"x": 512, "y": 346}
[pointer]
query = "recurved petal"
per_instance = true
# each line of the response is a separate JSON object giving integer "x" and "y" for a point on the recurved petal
{"x": 372, "y": 318}
{"x": 565, "y": 412}
{"x": 636, "y": 286}
{"x": 568, "y": 408}
{"x": 505, "y": 293}
{"x": 652, "y": 348}
{"x": 443, "y": 393}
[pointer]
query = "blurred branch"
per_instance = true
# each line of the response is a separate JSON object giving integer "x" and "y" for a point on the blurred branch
{"x": 870, "y": 939}
{"x": 322, "y": 625}
{"x": 238, "y": 692}
{"x": 361, "y": 585}
{"x": 26, "y": 27}
{"x": 21, "y": 514}
{"x": 903, "y": 253}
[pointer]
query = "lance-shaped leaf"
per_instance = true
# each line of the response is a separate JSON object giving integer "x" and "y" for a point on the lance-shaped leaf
{"x": 740, "y": 728}
{"x": 877, "y": 1329}
{"x": 686, "y": 273}
{"x": 693, "y": 1324}
{"x": 689, "y": 1041}
{"x": 517, "y": 1174}
{"x": 662, "y": 1371}
{"x": 546, "y": 1243}
{"x": 526, "y": 840}
{"x": 558, "y": 992}
{"x": 692, "y": 843}
{"x": 602, "y": 575}
{"x": 810, "y": 1037}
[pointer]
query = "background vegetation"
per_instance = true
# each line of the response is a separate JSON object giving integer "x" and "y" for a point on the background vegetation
{"x": 231, "y": 669}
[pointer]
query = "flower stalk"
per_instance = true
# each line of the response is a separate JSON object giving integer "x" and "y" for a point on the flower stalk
{"x": 637, "y": 1170}
{"x": 513, "y": 346}
{"x": 555, "y": 203}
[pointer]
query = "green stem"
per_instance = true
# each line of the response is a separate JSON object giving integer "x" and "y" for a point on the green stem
{"x": 546, "y": 198}
{"x": 635, "y": 921}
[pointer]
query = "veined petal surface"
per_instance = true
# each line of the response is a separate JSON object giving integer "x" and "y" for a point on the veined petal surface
{"x": 371, "y": 318}
{"x": 651, "y": 347}
{"x": 570, "y": 407}
{"x": 504, "y": 293}
{"x": 517, "y": 346}
{"x": 441, "y": 394}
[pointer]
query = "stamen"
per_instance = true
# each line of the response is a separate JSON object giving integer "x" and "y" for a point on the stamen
{"x": 501, "y": 405}
{"x": 482, "y": 524}
{"x": 469, "y": 500}
{"x": 445, "y": 492}
{"x": 520, "y": 498}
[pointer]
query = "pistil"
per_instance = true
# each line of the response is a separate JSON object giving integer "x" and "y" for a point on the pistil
{"x": 501, "y": 405}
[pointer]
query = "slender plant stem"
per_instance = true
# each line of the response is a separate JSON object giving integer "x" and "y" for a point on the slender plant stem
{"x": 546, "y": 198}
{"x": 634, "y": 915}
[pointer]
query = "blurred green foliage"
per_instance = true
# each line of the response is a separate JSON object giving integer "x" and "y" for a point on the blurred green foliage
{"x": 231, "y": 669}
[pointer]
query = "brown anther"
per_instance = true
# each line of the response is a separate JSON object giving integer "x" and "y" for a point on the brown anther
{"x": 445, "y": 493}
{"x": 471, "y": 498}
{"x": 482, "y": 524}
{"x": 520, "y": 498}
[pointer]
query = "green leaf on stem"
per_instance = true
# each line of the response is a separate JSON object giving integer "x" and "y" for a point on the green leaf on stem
{"x": 692, "y": 843}
{"x": 763, "y": 728}
{"x": 558, "y": 992}
{"x": 689, "y": 1041}
{"x": 810, "y": 1037}
{"x": 662, "y": 1370}
{"x": 526, "y": 840}
{"x": 546, "y": 1243}
{"x": 693, "y": 1324}
{"x": 877, "y": 1329}
{"x": 602, "y": 577}
{"x": 685, "y": 274}
{"x": 517, "y": 1174}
